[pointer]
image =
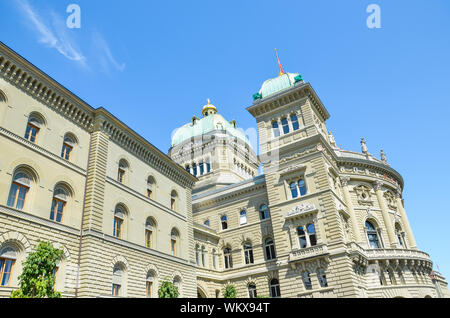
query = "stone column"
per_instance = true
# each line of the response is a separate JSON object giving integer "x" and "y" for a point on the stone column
{"x": 411, "y": 241}
{"x": 348, "y": 202}
{"x": 386, "y": 217}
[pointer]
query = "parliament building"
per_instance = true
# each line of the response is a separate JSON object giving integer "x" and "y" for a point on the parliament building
{"x": 301, "y": 218}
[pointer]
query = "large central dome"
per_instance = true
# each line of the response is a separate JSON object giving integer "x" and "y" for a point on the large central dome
{"x": 211, "y": 121}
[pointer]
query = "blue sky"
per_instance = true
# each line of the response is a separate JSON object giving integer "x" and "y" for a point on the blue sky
{"x": 153, "y": 64}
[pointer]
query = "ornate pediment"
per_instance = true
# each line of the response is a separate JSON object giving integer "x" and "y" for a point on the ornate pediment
{"x": 292, "y": 169}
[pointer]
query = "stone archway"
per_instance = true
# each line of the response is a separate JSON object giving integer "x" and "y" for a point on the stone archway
{"x": 201, "y": 293}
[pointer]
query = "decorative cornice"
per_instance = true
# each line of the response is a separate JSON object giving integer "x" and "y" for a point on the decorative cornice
{"x": 301, "y": 210}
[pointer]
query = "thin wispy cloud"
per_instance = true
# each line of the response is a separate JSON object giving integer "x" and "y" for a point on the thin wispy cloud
{"x": 105, "y": 56}
{"x": 52, "y": 35}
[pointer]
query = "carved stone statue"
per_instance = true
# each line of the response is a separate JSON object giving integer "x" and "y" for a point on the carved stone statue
{"x": 331, "y": 139}
{"x": 364, "y": 146}
{"x": 383, "y": 156}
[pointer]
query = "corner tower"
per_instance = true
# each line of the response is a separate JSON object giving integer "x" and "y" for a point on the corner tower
{"x": 214, "y": 150}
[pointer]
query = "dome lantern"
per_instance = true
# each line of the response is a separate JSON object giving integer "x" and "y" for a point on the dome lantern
{"x": 209, "y": 109}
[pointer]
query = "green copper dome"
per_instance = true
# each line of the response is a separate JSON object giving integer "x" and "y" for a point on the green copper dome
{"x": 275, "y": 85}
{"x": 209, "y": 123}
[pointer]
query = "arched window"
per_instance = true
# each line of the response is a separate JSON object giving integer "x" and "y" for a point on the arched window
{"x": 207, "y": 223}
{"x": 224, "y": 222}
{"x": 8, "y": 256}
{"x": 400, "y": 236}
{"x": 270, "y": 249}
{"x": 150, "y": 187}
{"x": 19, "y": 188}
{"x": 117, "y": 280}
{"x": 174, "y": 241}
{"x": 302, "y": 237}
{"x": 307, "y": 280}
{"x": 177, "y": 283}
{"x": 197, "y": 257}
{"x": 322, "y": 278}
{"x": 264, "y": 212}
{"x": 294, "y": 192}
{"x": 243, "y": 217}
{"x": 33, "y": 127}
{"x": 119, "y": 218}
{"x": 149, "y": 224}
{"x": 173, "y": 200}
{"x": 60, "y": 197}
{"x": 149, "y": 285}
{"x": 285, "y": 124}
{"x": 294, "y": 121}
{"x": 372, "y": 235}
{"x": 312, "y": 234}
{"x": 203, "y": 256}
{"x": 274, "y": 288}
{"x": 121, "y": 172}
{"x": 248, "y": 253}
{"x": 228, "y": 260}
{"x": 67, "y": 147}
{"x": 252, "y": 291}
{"x": 275, "y": 129}
{"x": 214, "y": 258}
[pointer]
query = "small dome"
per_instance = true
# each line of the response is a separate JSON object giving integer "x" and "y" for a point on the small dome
{"x": 275, "y": 85}
{"x": 209, "y": 109}
{"x": 210, "y": 122}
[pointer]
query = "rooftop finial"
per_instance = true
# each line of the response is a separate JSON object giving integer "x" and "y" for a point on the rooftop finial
{"x": 279, "y": 63}
{"x": 209, "y": 101}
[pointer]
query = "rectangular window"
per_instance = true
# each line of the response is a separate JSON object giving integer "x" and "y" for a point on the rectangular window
{"x": 294, "y": 121}
{"x": 116, "y": 290}
{"x": 31, "y": 133}
{"x": 173, "y": 244}
{"x": 117, "y": 227}
{"x": 285, "y": 124}
{"x": 66, "y": 150}
{"x": 17, "y": 196}
{"x": 148, "y": 238}
{"x": 149, "y": 193}
{"x": 121, "y": 175}
{"x": 6, "y": 266}
{"x": 56, "y": 214}
{"x": 202, "y": 168}
{"x": 243, "y": 217}
{"x": 276, "y": 129}
{"x": 149, "y": 289}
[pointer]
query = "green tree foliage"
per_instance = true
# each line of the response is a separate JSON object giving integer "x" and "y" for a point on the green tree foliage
{"x": 229, "y": 291}
{"x": 168, "y": 290}
{"x": 37, "y": 279}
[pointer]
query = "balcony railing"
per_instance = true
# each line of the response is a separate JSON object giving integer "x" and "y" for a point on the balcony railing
{"x": 309, "y": 252}
{"x": 391, "y": 253}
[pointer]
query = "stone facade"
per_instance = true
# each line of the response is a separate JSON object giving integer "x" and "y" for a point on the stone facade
{"x": 225, "y": 225}
{"x": 100, "y": 143}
